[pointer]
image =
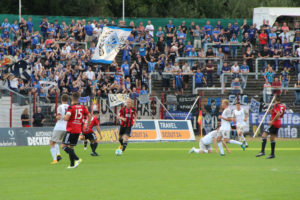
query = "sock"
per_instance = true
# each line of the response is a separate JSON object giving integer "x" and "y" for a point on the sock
{"x": 263, "y": 145}
{"x": 53, "y": 152}
{"x": 95, "y": 147}
{"x": 220, "y": 145}
{"x": 235, "y": 142}
{"x": 124, "y": 146}
{"x": 121, "y": 141}
{"x": 85, "y": 144}
{"x": 205, "y": 151}
{"x": 197, "y": 150}
{"x": 273, "y": 144}
{"x": 71, "y": 155}
{"x": 57, "y": 149}
{"x": 243, "y": 138}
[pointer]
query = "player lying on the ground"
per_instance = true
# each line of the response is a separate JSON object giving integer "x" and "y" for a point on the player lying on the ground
{"x": 59, "y": 130}
{"x": 128, "y": 117}
{"x": 274, "y": 125}
{"x": 74, "y": 117}
{"x": 89, "y": 134}
{"x": 206, "y": 142}
{"x": 225, "y": 128}
{"x": 240, "y": 117}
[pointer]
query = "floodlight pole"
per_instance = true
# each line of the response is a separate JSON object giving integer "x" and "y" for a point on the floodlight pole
{"x": 123, "y": 10}
{"x": 20, "y": 10}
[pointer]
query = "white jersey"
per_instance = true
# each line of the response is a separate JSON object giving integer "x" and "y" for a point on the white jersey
{"x": 61, "y": 124}
{"x": 225, "y": 125}
{"x": 208, "y": 138}
{"x": 240, "y": 117}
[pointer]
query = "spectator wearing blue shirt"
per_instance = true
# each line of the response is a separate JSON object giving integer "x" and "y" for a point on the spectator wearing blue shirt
{"x": 134, "y": 94}
{"x": 160, "y": 32}
{"x": 285, "y": 78}
{"x": 44, "y": 28}
{"x": 125, "y": 69}
{"x": 143, "y": 90}
{"x": 178, "y": 83}
{"x": 151, "y": 65}
{"x": 15, "y": 29}
{"x": 236, "y": 86}
{"x": 234, "y": 40}
{"x": 117, "y": 79}
{"x": 5, "y": 35}
{"x": 236, "y": 29}
{"x": 208, "y": 28}
{"x": 269, "y": 75}
{"x": 219, "y": 26}
{"x": 188, "y": 48}
{"x": 272, "y": 36}
{"x": 127, "y": 84}
{"x": 244, "y": 69}
{"x": 252, "y": 31}
{"x": 225, "y": 69}
{"x": 192, "y": 54}
{"x": 30, "y": 25}
{"x": 51, "y": 31}
{"x": 199, "y": 79}
{"x": 5, "y": 26}
{"x": 181, "y": 36}
{"x": 126, "y": 52}
{"x": 57, "y": 26}
{"x": 142, "y": 50}
{"x": 88, "y": 32}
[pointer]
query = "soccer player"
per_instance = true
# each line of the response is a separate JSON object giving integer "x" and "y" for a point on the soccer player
{"x": 225, "y": 128}
{"x": 74, "y": 117}
{"x": 59, "y": 130}
{"x": 274, "y": 125}
{"x": 128, "y": 117}
{"x": 240, "y": 116}
{"x": 206, "y": 142}
{"x": 89, "y": 134}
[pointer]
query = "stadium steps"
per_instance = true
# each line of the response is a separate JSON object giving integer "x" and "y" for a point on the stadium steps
{"x": 17, "y": 111}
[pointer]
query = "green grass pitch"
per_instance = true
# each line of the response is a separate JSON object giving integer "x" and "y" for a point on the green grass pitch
{"x": 152, "y": 171}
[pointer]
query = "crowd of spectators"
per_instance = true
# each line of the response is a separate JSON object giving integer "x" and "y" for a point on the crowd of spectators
{"x": 55, "y": 54}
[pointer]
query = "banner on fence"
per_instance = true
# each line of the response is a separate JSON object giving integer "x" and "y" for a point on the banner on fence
{"x": 144, "y": 130}
{"x": 178, "y": 115}
{"x": 175, "y": 130}
{"x": 254, "y": 106}
{"x": 117, "y": 99}
{"x": 111, "y": 40}
{"x": 290, "y": 124}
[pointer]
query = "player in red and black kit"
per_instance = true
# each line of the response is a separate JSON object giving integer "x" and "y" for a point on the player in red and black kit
{"x": 274, "y": 125}
{"x": 89, "y": 134}
{"x": 128, "y": 117}
{"x": 74, "y": 115}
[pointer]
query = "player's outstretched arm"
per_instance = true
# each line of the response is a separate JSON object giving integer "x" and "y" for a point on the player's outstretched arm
{"x": 99, "y": 131}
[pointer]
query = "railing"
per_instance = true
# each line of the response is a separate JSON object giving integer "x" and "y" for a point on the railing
{"x": 82, "y": 43}
{"x": 280, "y": 58}
{"x": 222, "y": 44}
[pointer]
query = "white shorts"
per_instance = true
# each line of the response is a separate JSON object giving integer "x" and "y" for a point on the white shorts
{"x": 204, "y": 147}
{"x": 57, "y": 136}
{"x": 224, "y": 134}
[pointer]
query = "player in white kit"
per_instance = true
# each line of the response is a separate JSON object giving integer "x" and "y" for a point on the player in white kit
{"x": 59, "y": 129}
{"x": 225, "y": 128}
{"x": 206, "y": 142}
{"x": 240, "y": 116}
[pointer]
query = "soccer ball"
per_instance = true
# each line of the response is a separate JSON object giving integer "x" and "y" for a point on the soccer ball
{"x": 119, "y": 152}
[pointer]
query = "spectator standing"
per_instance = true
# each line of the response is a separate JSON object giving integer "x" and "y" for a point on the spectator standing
{"x": 269, "y": 75}
{"x": 297, "y": 93}
{"x": 264, "y": 54}
{"x": 38, "y": 118}
{"x": 263, "y": 40}
{"x": 267, "y": 92}
{"x": 167, "y": 77}
{"x": 199, "y": 79}
{"x": 225, "y": 69}
{"x": 277, "y": 86}
{"x": 285, "y": 78}
{"x": 186, "y": 70}
{"x": 220, "y": 55}
{"x": 178, "y": 83}
{"x": 25, "y": 118}
{"x": 150, "y": 28}
{"x": 233, "y": 47}
{"x": 244, "y": 74}
{"x": 191, "y": 30}
{"x": 197, "y": 37}
{"x": 209, "y": 73}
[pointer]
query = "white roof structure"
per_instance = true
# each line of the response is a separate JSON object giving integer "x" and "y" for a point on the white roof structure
{"x": 272, "y": 13}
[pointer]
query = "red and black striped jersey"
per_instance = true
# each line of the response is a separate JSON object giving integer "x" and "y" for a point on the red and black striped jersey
{"x": 78, "y": 113}
{"x": 129, "y": 114}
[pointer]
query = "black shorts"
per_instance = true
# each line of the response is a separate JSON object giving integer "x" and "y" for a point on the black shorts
{"x": 272, "y": 130}
{"x": 90, "y": 136}
{"x": 125, "y": 131}
{"x": 70, "y": 139}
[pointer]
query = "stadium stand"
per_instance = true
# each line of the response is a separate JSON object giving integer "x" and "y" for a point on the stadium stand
{"x": 51, "y": 52}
